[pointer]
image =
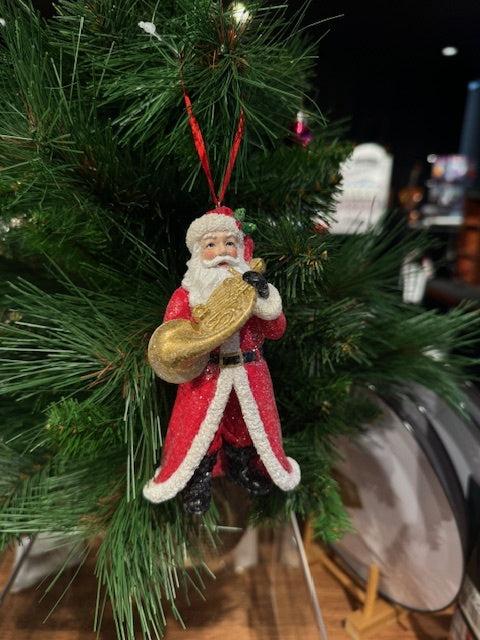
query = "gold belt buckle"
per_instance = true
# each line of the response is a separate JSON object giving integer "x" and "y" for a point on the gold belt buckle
{"x": 236, "y": 354}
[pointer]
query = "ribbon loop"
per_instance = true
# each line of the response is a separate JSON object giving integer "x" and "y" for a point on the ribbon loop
{"x": 202, "y": 150}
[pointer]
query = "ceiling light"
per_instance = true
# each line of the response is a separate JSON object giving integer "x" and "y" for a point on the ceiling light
{"x": 449, "y": 51}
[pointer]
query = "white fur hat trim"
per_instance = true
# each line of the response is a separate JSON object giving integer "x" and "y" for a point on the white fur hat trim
{"x": 208, "y": 223}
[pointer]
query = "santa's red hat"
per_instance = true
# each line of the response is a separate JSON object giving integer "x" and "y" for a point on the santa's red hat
{"x": 219, "y": 219}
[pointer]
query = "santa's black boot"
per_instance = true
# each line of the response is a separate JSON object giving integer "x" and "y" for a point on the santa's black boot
{"x": 198, "y": 492}
{"x": 240, "y": 470}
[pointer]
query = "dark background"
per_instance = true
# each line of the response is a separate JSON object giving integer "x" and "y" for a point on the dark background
{"x": 381, "y": 66}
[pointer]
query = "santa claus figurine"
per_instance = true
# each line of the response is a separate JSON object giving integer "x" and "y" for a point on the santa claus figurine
{"x": 224, "y": 420}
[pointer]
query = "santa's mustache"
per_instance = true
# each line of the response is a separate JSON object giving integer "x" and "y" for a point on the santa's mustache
{"x": 214, "y": 262}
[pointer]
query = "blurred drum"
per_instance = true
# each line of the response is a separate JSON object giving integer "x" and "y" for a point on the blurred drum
{"x": 406, "y": 483}
{"x": 466, "y": 618}
{"x": 460, "y": 435}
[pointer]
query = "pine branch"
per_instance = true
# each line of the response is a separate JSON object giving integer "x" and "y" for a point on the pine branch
{"x": 154, "y": 565}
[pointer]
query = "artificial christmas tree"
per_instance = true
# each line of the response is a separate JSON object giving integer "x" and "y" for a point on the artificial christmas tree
{"x": 100, "y": 179}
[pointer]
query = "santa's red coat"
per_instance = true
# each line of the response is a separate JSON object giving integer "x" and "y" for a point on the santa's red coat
{"x": 232, "y": 404}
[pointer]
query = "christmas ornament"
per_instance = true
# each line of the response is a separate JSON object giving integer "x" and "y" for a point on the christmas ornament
{"x": 302, "y": 134}
{"x": 225, "y": 420}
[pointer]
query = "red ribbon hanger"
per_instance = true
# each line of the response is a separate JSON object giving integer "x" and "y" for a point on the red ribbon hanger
{"x": 202, "y": 150}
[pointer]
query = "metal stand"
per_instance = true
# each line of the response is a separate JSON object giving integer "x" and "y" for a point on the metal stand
{"x": 16, "y": 569}
{"x": 375, "y": 613}
{"x": 288, "y": 551}
{"x": 308, "y": 577}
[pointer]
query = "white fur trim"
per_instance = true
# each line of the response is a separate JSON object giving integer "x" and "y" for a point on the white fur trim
{"x": 236, "y": 378}
{"x": 159, "y": 492}
{"x": 281, "y": 477}
{"x": 268, "y": 308}
{"x": 208, "y": 223}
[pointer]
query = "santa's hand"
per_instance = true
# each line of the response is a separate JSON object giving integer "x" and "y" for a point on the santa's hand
{"x": 258, "y": 281}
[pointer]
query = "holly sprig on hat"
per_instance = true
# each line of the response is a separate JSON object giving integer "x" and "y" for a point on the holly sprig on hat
{"x": 247, "y": 227}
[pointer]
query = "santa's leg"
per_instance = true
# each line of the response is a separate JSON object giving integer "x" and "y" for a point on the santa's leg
{"x": 243, "y": 469}
{"x": 244, "y": 465}
{"x": 197, "y": 493}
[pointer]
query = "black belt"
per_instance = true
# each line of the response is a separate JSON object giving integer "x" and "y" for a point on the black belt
{"x": 235, "y": 359}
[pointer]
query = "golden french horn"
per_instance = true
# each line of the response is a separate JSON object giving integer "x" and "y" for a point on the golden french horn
{"x": 179, "y": 349}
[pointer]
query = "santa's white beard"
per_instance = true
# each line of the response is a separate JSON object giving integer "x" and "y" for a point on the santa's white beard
{"x": 203, "y": 277}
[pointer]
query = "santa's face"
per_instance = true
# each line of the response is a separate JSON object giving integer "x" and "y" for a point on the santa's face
{"x": 206, "y": 268}
{"x": 219, "y": 243}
